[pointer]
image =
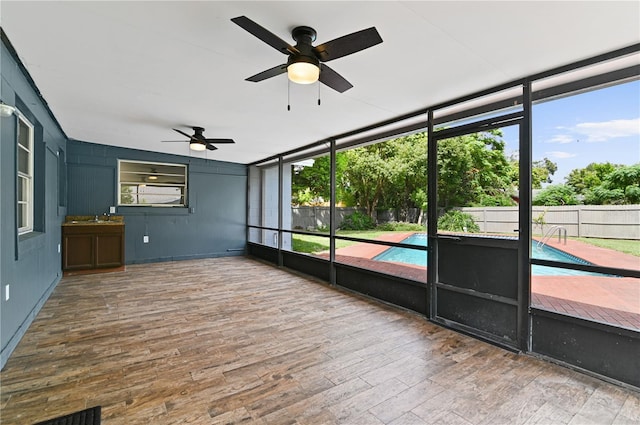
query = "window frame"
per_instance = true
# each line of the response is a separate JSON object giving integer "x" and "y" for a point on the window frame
{"x": 26, "y": 191}
{"x": 152, "y": 166}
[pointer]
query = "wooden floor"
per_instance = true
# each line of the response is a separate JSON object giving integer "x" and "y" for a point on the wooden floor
{"x": 232, "y": 340}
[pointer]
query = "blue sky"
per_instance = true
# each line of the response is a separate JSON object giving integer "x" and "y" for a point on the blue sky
{"x": 597, "y": 126}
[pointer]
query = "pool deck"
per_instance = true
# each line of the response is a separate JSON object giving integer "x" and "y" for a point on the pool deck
{"x": 604, "y": 299}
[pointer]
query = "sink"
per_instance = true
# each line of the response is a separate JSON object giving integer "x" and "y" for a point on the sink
{"x": 89, "y": 222}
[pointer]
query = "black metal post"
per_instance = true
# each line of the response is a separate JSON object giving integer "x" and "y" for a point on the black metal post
{"x": 432, "y": 217}
{"x": 332, "y": 215}
{"x": 280, "y": 208}
{"x": 524, "y": 219}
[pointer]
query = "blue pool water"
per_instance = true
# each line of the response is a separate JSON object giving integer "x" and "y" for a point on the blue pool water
{"x": 545, "y": 252}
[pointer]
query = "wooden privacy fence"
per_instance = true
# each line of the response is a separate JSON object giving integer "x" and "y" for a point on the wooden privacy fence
{"x": 589, "y": 221}
{"x": 311, "y": 218}
{"x": 595, "y": 221}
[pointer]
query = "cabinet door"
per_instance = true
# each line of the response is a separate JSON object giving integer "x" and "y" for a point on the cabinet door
{"x": 78, "y": 252}
{"x": 109, "y": 250}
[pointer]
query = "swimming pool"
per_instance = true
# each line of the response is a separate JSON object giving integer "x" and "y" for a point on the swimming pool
{"x": 545, "y": 252}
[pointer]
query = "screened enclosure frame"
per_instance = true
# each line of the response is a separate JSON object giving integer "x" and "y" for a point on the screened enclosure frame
{"x": 535, "y": 326}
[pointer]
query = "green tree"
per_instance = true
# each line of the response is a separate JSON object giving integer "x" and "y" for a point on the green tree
{"x": 369, "y": 173}
{"x": 387, "y": 174}
{"x": 311, "y": 184}
{"x": 409, "y": 177}
{"x": 473, "y": 170}
{"x": 587, "y": 178}
{"x": 541, "y": 172}
{"x": 304, "y": 197}
{"x": 557, "y": 194}
{"x": 620, "y": 186}
{"x": 419, "y": 198}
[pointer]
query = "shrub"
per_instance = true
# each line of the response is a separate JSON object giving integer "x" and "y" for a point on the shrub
{"x": 401, "y": 226}
{"x": 457, "y": 221}
{"x": 323, "y": 228}
{"x": 557, "y": 194}
{"x": 357, "y": 221}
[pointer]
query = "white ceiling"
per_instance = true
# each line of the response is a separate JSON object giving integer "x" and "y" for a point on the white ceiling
{"x": 126, "y": 73}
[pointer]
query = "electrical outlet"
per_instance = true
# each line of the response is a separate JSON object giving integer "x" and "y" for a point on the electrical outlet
{"x": 6, "y": 292}
{"x": 145, "y": 239}
{"x": 112, "y": 210}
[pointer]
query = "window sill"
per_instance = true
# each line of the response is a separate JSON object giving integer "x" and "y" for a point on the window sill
{"x": 31, "y": 241}
{"x": 28, "y": 235}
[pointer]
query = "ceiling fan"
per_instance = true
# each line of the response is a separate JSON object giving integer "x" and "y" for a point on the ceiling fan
{"x": 303, "y": 65}
{"x": 197, "y": 141}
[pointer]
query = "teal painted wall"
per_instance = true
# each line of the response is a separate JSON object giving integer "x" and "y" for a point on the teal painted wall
{"x": 84, "y": 183}
{"x": 29, "y": 264}
{"x": 213, "y": 224}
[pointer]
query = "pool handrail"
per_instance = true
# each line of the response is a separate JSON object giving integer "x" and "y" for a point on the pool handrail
{"x": 562, "y": 231}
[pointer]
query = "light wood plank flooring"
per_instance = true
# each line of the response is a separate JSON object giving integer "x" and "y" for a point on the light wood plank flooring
{"x": 232, "y": 340}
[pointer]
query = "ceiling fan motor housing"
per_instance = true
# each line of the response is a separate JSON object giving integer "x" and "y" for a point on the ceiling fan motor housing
{"x": 198, "y": 132}
{"x": 304, "y": 36}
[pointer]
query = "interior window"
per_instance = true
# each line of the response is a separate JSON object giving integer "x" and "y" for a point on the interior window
{"x": 152, "y": 184}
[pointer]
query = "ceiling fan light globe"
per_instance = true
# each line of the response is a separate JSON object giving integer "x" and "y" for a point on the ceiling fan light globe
{"x": 303, "y": 72}
{"x": 197, "y": 146}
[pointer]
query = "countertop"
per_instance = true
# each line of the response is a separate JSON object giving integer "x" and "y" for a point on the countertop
{"x": 89, "y": 220}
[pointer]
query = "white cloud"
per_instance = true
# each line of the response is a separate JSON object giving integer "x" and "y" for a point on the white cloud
{"x": 606, "y": 130}
{"x": 562, "y": 138}
{"x": 560, "y": 154}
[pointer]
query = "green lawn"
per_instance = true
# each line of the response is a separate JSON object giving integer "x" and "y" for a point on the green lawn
{"x": 314, "y": 244}
{"x": 621, "y": 245}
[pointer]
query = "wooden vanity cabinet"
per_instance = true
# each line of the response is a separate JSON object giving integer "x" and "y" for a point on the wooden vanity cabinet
{"x": 92, "y": 247}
